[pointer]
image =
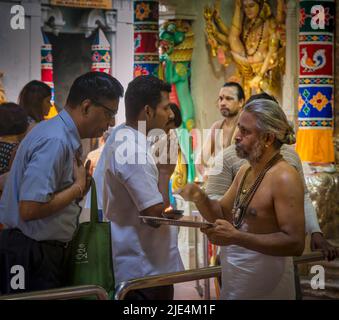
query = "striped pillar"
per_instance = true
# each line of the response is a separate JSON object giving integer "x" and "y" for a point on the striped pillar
{"x": 316, "y": 81}
{"x": 146, "y": 38}
{"x": 101, "y": 53}
{"x": 47, "y": 71}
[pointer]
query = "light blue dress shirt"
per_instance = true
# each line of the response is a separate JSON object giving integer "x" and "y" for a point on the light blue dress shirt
{"x": 43, "y": 166}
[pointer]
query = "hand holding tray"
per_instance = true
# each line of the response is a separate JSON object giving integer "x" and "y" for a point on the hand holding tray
{"x": 185, "y": 221}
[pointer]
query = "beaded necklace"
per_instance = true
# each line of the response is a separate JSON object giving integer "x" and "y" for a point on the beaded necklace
{"x": 245, "y": 37}
{"x": 241, "y": 205}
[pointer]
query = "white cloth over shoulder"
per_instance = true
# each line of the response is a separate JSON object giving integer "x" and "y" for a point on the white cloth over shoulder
{"x": 250, "y": 275}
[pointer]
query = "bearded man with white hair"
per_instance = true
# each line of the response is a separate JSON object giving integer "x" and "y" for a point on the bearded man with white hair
{"x": 260, "y": 220}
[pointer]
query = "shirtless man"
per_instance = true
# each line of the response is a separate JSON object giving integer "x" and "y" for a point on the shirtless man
{"x": 231, "y": 99}
{"x": 261, "y": 235}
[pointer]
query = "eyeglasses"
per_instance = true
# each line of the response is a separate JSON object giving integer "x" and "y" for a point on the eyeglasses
{"x": 112, "y": 113}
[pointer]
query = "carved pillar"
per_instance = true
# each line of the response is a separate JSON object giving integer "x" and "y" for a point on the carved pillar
{"x": 290, "y": 81}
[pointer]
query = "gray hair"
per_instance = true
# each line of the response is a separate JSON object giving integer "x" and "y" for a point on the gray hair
{"x": 271, "y": 119}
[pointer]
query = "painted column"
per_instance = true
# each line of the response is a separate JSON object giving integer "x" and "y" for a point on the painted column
{"x": 146, "y": 35}
{"x": 47, "y": 72}
{"x": 316, "y": 81}
{"x": 101, "y": 53}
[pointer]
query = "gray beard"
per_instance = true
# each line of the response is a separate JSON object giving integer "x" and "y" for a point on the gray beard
{"x": 255, "y": 153}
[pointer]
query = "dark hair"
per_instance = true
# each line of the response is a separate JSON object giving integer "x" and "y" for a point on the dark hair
{"x": 262, "y": 95}
{"x": 241, "y": 94}
{"x": 13, "y": 119}
{"x": 31, "y": 98}
{"x": 94, "y": 86}
{"x": 177, "y": 115}
{"x": 142, "y": 91}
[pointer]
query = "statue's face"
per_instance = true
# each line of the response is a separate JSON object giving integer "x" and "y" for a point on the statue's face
{"x": 251, "y": 9}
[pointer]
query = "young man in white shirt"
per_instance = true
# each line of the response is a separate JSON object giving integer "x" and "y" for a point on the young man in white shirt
{"x": 131, "y": 190}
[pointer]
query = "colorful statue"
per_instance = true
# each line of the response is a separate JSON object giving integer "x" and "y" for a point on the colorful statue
{"x": 176, "y": 47}
{"x": 2, "y": 90}
{"x": 255, "y": 42}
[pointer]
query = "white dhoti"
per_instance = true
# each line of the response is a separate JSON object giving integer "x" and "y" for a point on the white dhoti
{"x": 250, "y": 275}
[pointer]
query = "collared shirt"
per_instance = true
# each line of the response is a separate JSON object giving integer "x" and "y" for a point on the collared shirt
{"x": 43, "y": 165}
{"x": 131, "y": 186}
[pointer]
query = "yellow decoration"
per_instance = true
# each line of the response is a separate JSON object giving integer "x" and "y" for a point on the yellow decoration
{"x": 315, "y": 145}
{"x": 319, "y": 101}
{"x": 181, "y": 69}
{"x": 190, "y": 123}
{"x": 179, "y": 176}
{"x": 52, "y": 113}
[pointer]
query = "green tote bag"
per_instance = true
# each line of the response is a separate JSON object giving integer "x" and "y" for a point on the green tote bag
{"x": 90, "y": 256}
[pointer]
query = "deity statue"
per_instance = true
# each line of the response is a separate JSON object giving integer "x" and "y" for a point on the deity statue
{"x": 255, "y": 41}
{"x": 2, "y": 90}
{"x": 176, "y": 48}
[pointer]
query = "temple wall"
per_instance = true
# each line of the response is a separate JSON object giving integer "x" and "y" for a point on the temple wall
{"x": 19, "y": 49}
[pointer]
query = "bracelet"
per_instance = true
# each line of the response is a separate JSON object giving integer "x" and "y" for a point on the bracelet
{"x": 81, "y": 191}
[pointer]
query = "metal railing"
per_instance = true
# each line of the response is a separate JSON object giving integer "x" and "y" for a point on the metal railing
{"x": 190, "y": 275}
{"x": 309, "y": 257}
{"x": 60, "y": 294}
{"x": 166, "y": 279}
{"x": 140, "y": 283}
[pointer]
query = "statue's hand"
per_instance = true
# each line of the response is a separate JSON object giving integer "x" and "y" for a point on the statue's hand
{"x": 208, "y": 13}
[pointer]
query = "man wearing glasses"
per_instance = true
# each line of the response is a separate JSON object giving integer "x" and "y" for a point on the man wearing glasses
{"x": 39, "y": 202}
